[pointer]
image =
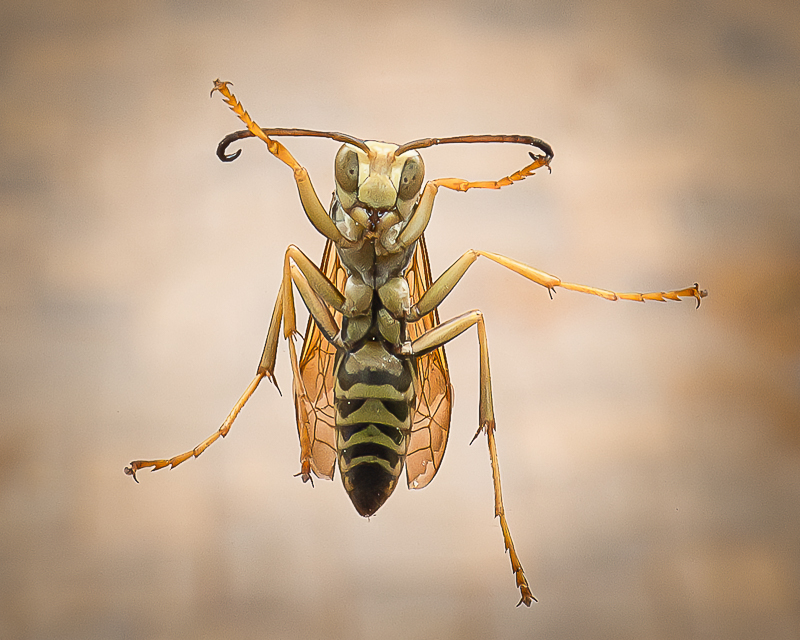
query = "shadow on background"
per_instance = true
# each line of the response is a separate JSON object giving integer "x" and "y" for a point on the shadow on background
{"x": 649, "y": 451}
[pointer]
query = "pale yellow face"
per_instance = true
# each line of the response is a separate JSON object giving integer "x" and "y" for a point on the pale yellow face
{"x": 378, "y": 185}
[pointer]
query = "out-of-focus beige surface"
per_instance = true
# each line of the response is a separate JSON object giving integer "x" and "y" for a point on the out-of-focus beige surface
{"x": 650, "y": 452}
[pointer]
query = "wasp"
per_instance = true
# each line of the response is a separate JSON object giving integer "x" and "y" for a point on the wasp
{"x": 371, "y": 387}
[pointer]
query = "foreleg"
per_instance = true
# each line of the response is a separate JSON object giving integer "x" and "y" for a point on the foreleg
{"x": 308, "y": 196}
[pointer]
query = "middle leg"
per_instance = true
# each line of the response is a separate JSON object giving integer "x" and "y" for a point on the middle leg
{"x": 439, "y": 290}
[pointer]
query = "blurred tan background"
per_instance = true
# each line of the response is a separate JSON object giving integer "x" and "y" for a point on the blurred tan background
{"x": 650, "y": 452}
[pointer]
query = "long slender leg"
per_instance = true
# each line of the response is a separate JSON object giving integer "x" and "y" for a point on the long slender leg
{"x": 325, "y": 322}
{"x": 308, "y": 196}
{"x": 435, "y": 338}
{"x": 459, "y": 184}
{"x": 439, "y": 290}
{"x": 316, "y": 291}
{"x": 266, "y": 368}
{"x": 318, "y": 294}
{"x": 422, "y": 214}
{"x": 194, "y": 453}
{"x": 313, "y": 280}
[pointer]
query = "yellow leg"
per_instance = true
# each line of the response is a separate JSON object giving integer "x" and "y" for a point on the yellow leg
{"x": 194, "y": 453}
{"x": 435, "y": 338}
{"x": 522, "y": 584}
{"x": 308, "y": 196}
{"x": 266, "y": 369}
{"x": 439, "y": 290}
{"x": 316, "y": 290}
{"x": 318, "y": 294}
{"x": 314, "y": 297}
{"x": 443, "y": 333}
{"x": 459, "y": 184}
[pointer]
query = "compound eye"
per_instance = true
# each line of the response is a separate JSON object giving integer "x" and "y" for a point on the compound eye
{"x": 347, "y": 169}
{"x": 411, "y": 178}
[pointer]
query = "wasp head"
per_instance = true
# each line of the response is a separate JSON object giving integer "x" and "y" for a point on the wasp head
{"x": 380, "y": 188}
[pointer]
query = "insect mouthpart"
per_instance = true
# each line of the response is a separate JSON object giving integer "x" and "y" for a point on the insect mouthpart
{"x": 375, "y": 216}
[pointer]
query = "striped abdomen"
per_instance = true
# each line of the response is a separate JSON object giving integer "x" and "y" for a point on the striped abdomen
{"x": 374, "y": 396}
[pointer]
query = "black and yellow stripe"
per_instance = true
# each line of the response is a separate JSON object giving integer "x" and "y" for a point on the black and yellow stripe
{"x": 374, "y": 394}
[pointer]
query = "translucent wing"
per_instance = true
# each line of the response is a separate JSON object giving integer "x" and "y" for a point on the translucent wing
{"x": 431, "y": 422}
{"x": 317, "y": 361}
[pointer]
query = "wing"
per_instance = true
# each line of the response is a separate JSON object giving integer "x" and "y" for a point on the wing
{"x": 317, "y": 361}
{"x": 431, "y": 422}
